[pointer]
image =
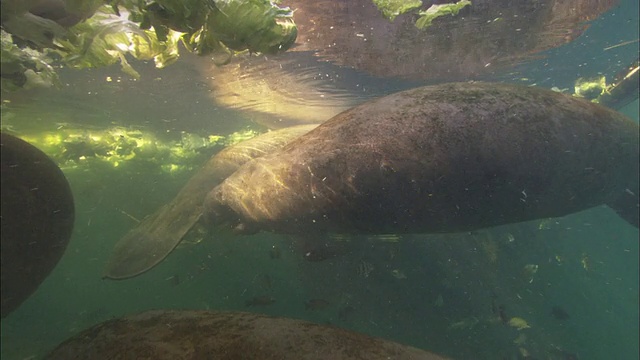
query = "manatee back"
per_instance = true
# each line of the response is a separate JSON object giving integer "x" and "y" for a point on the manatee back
{"x": 443, "y": 158}
{"x": 231, "y": 158}
{"x": 191, "y": 335}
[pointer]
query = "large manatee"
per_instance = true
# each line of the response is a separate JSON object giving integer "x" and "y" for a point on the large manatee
{"x": 194, "y": 335}
{"x": 37, "y": 219}
{"x": 446, "y": 158}
{"x": 146, "y": 245}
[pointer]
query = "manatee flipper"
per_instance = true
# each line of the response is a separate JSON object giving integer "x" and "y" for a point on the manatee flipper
{"x": 156, "y": 236}
{"x": 626, "y": 206}
{"x": 624, "y": 90}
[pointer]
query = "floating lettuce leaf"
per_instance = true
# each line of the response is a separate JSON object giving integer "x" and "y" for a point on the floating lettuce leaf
{"x": 101, "y": 41}
{"x": 144, "y": 29}
{"x": 590, "y": 88}
{"x": 24, "y": 67}
{"x": 254, "y": 25}
{"x": 392, "y": 8}
{"x": 204, "y": 43}
{"x": 106, "y": 38}
{"x": 218, "y": 27}
{"x": 427, "y": 17}
{"x": 185, "y": 16}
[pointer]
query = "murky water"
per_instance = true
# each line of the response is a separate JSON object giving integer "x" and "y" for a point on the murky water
{"x": 437, "y": 292}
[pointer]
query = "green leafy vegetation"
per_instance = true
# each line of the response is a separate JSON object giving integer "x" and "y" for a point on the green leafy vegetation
{"x": 392, "y": 8}
{"x": 24, "y": 67}
{"x": 115, "y": 147}
{"x": 436, "y": 11}
{"x": 94, "y": 33}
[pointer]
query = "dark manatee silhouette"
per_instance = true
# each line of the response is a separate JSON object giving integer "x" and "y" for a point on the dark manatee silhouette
{"x": 157, "y": 235}
{"x": 486, "y": 36}
{"x": 446, "y": 158}
{"x": 37, "y": 219}
{"x": 347, "y": 52}
{"x": 192, "y": 335}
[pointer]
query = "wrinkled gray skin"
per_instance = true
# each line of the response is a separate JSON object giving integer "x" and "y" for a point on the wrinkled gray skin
{"x": 193, "y": 335}
{"x": 152, "y": 240}
{"x": 446, "y": 158}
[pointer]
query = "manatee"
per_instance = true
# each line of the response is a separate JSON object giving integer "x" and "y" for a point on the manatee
{"x": 487, "y": 36}
{"x": 190, "y": 334}
{"x": 347, "y": 52}
{"x": 446, "y": 158}
{"x": 157, "y": 235}
{"x": 37, "y": 219}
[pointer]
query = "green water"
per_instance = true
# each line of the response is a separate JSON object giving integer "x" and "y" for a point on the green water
{"x": 587, "y": 263}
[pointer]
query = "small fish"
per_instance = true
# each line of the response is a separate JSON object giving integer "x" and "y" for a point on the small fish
{"x": 316, "y": 304}
{"x": 467, "y": 323}
{"x": 364, "y": 268}
{"x": 262, "y": 300}
{"x": 398, "y": 274}
{"x": 510, "y": 238}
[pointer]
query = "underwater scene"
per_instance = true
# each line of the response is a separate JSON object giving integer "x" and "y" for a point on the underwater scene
{"x": 411, "y": 179}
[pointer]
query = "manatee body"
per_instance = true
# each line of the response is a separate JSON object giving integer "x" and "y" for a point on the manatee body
{"x": 37, "y": 219}
{"x": 193, "y": 335}
{"x": 445, "y": 158}
{"x": 146, "y": 245}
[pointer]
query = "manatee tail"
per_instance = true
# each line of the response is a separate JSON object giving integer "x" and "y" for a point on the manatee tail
{"x": 627, "y": 207}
